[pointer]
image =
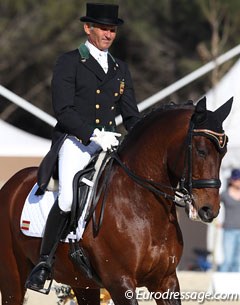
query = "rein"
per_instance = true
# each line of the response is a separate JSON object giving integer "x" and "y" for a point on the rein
{"x": 148, "y": 184}
{"x": 182, "y": 194}
{"x": 153, "y": 186}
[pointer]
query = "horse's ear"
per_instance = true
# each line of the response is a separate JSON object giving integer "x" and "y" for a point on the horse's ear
{"x": 223, "y": 111}
{"x": 201, "y": 105}
{"x": 200, "y": 112}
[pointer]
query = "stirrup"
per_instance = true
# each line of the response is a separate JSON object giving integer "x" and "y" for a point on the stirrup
{"x": 35, "y": 287}
{"x": 42, "y": 290}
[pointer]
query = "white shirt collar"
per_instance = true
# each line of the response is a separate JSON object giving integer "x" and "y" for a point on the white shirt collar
{"x": 100, "y": 56}
{"x": 95, "y": 52}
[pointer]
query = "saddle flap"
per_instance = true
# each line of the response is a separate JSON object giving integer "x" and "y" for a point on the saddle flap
{"x": 85, "y": 187}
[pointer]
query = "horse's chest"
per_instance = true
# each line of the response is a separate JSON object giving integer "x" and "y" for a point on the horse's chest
{"x": 170, "y": 247}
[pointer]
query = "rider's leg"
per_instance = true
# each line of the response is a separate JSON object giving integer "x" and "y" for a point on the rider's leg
{"x": 73, "y": 157}
{"x": 56, "y": 222}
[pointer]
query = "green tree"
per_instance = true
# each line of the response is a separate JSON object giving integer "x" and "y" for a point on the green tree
{"x": 162, "y": 41}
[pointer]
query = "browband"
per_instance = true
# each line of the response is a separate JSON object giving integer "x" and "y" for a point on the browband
{"x": 220, "y": 139}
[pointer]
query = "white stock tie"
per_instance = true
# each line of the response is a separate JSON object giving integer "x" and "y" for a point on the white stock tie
{"x": 102, "y": 60}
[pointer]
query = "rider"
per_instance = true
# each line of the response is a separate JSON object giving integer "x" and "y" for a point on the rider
{"x": 88, "y": 85}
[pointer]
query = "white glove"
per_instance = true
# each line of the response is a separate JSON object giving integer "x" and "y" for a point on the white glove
{"x": 105, "y": 139}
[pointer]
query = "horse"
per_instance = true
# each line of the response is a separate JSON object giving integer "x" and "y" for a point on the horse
{"x": 171, "y": 156}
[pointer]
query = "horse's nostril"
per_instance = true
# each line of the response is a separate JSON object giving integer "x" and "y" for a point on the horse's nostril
{"x": 206, "y": 214}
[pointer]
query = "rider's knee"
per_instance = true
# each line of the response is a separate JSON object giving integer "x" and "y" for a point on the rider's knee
{"x": 65, "y": 203}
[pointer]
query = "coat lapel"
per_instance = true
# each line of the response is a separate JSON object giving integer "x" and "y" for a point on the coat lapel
{"x": 90, "y": 62}
{"x": 94, "y": 66}
{"x": 112, "y": 69}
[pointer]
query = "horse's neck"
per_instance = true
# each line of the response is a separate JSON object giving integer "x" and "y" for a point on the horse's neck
{"x": 152, "y": 147}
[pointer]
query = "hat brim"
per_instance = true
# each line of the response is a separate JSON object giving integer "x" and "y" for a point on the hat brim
{"x": 102, "y": 21}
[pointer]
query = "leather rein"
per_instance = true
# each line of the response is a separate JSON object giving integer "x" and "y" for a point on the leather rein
{"x": 183, "y": 192}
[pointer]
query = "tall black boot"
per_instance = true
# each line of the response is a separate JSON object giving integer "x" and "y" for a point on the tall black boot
{"x": 56, "y": 223}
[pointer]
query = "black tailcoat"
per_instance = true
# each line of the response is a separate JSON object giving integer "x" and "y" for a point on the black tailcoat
{"x": 84, "y": 98}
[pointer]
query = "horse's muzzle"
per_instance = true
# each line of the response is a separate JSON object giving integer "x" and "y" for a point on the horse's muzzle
{"x": 206, "y": 214}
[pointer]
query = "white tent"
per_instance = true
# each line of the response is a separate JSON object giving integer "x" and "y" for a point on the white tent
{"x": 15, "y": 142}
{"x": 225, "y": 89}
{"x": 19, "y": 149}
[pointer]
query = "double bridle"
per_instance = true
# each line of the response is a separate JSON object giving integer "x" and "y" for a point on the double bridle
{"x": 183, "y": 192}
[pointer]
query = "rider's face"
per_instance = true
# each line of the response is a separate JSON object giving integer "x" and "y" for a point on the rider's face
{"x": 101, "y": 36}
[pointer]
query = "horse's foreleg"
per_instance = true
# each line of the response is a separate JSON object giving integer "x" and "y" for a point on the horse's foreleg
{"x": 167, "y": 292}
{"x": 123, "y": 292}
{"x": 87, "y": 296}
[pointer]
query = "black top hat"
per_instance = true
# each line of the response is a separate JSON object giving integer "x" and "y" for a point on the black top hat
{"x": 102, "y": 13}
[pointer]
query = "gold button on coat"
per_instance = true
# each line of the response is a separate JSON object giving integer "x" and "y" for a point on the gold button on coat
{"x": 112, "y": 108}
{"x": 97, "y": 106}
{"x": 116, "y": 94}
{"x": 110, "y": 123}
{"x": 98, "y": 91}
{"x": 97, "y": 121}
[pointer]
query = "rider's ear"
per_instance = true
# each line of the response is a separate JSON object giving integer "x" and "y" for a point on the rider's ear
{"x": 223, "y": 111}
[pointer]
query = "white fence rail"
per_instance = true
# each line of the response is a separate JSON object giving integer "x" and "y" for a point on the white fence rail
{"x": 27, "y": 106}
{"x": 144, "y": 104}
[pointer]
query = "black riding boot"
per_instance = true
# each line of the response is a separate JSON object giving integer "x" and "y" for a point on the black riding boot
{"x": 56, "y": 223}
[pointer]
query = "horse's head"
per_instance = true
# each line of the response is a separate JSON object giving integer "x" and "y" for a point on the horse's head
{"x": 206, "y": 146}
{"x": 177, "y": 154}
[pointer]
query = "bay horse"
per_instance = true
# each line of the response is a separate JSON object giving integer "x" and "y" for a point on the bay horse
{"x": 173, "y": 150}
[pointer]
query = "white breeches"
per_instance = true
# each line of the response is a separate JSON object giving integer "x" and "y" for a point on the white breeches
{"x": 73, "y": 157}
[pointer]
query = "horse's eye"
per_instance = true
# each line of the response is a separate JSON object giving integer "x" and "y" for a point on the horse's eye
{"x": 202, "y": 153}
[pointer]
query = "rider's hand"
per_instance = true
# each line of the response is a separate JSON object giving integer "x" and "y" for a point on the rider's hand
{"x": 105, "y": 139}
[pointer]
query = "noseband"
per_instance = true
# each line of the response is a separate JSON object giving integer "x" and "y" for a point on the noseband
{"x": 183, "y": 193}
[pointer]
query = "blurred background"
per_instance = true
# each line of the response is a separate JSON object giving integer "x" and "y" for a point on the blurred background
{"x": 162, "y": 41}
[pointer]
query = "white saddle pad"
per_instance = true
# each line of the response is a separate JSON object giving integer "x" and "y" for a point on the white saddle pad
{"x": 35, "y": 213}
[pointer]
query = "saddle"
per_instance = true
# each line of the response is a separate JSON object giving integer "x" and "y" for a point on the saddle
{"x": 88, "y": 185}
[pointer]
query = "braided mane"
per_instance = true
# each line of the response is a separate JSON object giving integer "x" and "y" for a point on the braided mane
{"x": 155, "y": 113}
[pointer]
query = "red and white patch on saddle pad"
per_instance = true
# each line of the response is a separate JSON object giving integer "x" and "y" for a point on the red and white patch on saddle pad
{"x": 25, "y": 225}
{"x": 35, "y": 213}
